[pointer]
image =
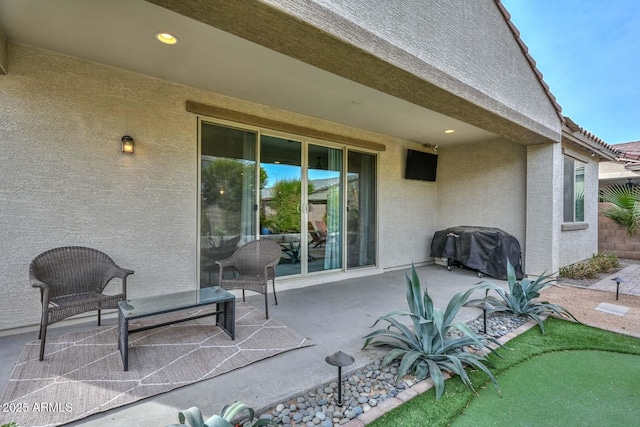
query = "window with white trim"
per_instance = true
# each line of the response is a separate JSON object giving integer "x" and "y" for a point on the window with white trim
{"x": 573, "y": 199}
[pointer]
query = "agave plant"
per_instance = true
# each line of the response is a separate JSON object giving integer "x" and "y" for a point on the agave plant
{"x": 625, "y": 209}
{"x": 194, "y": 418}
{"x": 521, "y": 298}
{"x": 432, "y": 346}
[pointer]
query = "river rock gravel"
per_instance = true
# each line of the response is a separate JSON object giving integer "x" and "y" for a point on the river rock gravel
{"x": 366, "y": 387}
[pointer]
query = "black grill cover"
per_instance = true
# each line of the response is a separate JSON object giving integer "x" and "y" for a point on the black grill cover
{"x": 480, "y": 248}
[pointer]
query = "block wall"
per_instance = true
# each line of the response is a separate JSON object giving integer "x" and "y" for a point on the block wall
{"x": 615, "y": 239}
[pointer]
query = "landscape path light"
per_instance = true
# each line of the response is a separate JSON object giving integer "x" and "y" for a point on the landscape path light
{"x": 618, "y": 280}
{"x": 339, "y": 359}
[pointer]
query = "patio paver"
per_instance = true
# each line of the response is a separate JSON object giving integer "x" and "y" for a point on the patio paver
{"x": 618, "y": 310}
{"x": 631, "y": 286}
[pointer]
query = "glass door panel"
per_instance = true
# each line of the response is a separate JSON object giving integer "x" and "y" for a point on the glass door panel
{"x": 361, "y": 210}
{"x": 324, "y": 208}
{"x": 227, "y": 195}
{"x": 280, "y": 201}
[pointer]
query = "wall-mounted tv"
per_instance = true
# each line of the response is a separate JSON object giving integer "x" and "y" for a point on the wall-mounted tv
{"x": 421, "y": 166}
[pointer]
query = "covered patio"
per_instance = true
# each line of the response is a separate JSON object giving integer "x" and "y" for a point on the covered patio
{"x": 334, "y": 317}
{"x": 321, "y": 88}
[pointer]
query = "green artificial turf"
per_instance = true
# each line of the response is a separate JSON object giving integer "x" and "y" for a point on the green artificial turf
{"x": 424, "y": 410}
{"x": 568, "y": 388}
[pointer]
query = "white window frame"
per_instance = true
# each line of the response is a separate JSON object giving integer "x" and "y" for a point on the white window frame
{"x": 578, "y": 167}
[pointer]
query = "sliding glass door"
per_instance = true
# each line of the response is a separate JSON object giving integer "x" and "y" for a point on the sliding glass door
{"x": 361, "y": 210}
{"x": 301, "y": 204}
{"x": 324, "y": 207}
{"x": 281, "y": 200}
{"x": 283, "y": 188}
{"x": 227, "y": 195}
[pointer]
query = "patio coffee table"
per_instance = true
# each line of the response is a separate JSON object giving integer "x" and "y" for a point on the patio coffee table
{"x": 139, "y": 308}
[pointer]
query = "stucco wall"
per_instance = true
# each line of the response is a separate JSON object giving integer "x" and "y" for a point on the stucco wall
{"x": 544, "y": 208}
{"x": 64, "y": 180}
{"x": 578, "y": 245}
{"x": 407, "y": 212}
{"x": 613, "y": 172}
{"x": 445, "y": 37}
{"x": 483, "y": 185}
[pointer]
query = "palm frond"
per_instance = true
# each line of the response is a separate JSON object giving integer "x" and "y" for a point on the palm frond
{"x": 625, "y": 209}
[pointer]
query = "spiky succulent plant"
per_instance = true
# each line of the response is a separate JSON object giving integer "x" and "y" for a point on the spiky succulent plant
{"x": 522, "y": 298}
{"x": 437, "y": 343}
{"x": 194, "y": 418}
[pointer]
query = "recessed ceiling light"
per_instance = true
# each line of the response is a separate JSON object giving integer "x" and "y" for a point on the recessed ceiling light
{"x": 449, "y": 131}
{"x": 166, "y": 38}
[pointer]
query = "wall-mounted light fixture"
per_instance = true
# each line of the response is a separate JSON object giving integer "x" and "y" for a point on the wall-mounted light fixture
{"x": 127, "y": 144}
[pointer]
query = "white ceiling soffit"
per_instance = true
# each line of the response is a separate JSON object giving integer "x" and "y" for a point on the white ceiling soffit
{"x": 120, "y": 33}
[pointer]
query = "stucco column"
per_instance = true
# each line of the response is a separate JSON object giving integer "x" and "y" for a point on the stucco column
{"x": 544, "y": 209}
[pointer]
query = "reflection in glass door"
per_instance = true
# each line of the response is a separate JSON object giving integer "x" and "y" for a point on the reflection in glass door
{"x": 297, "y": 193}
{"x": 309, "y": 233}
{"x": 227, "y": 195}
{"x": 280, "y": 201}
{"x": 324, "y": 207}
{"x": 361, "y": 210}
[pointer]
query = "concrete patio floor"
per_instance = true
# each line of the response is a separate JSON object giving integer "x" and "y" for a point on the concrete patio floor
{"x": 335, "y": 316}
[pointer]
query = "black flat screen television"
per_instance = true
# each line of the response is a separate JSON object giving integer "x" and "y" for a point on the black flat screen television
{"x": 421, "y": 166}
